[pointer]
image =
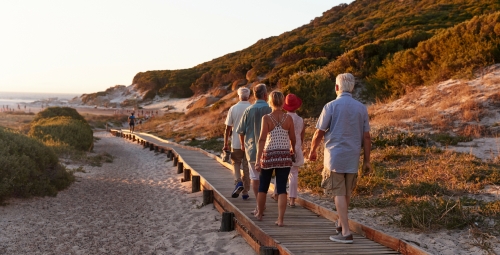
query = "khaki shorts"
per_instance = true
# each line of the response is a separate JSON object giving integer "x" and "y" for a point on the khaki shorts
{"x": 343, "y": 184}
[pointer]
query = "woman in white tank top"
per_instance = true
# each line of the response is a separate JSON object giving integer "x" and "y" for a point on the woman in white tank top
{"x": 274, "y": 153}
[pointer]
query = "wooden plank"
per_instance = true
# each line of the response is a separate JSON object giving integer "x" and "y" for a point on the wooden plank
{"x": 246, "y": 234}
{"x": 305, "y": 230}
{"x": 372, "y": 234}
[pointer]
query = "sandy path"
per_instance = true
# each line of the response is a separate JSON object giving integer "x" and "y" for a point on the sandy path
{"x": 135, "y": 205}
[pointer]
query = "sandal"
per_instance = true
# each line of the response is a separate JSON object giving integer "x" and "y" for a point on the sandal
{"x": 291, "y": 205}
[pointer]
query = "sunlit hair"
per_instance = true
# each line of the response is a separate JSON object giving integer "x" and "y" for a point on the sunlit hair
{"x": 244, "y": 93}
{"x": 276, "y": 99}
{"x": 260, "y": 91}
{"x": 345, "y": 82}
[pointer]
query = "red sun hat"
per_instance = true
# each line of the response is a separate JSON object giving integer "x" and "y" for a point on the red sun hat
{"x": 292, "y": 103}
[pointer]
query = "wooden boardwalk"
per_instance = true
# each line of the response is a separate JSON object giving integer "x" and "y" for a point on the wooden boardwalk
{"x": 307, "y": 226}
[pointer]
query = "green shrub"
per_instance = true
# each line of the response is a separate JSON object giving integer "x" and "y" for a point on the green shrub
{"x": 51, "y": 112}
{"x": 63, "y": 131}
{"x": 447, "y": 139}
{"x": 389, "y": 136}
{"x": 435, "y": 213}
{"x": 424, "y": 189}
{"x": 29, "y": 168}
{"x": 315, "y": 89}
{"x": 456, "y": 52}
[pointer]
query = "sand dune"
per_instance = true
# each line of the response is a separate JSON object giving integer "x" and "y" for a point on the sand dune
{"x": 135, "y": 205}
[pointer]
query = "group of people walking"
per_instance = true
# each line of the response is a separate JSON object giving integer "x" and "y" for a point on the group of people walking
{"x": 267, "y": 137}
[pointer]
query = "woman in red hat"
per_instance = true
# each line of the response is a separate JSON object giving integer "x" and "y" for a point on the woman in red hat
{"x": 292, "y": 103}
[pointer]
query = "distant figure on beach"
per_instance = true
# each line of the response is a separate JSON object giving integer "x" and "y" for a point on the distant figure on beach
{"x": 238, "y": 158}
{"x": 131, "y": 122}
{"x": 344, "y": 125}
{"x": 249, "y": 131}
{"x": 275, "y": 151}
{"x": 292, "y": 103}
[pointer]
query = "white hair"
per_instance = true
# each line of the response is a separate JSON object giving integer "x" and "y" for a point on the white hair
{"x": 345, "y": 81}
{"x": 244, "y": 92}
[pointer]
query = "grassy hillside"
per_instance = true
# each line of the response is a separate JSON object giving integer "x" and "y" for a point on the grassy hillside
{"x": 355, "y": 38}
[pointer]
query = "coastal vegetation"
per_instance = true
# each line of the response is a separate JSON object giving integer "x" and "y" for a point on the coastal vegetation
{"x": 62, "y": 128}
{"x": 28, "y": 167}
{"x": 390, "y": 46}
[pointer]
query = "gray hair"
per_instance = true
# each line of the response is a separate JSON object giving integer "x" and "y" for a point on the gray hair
{"x": 260, "y": 91}
{"x": 244, "y": 93}
{"x": 345, "y": 81}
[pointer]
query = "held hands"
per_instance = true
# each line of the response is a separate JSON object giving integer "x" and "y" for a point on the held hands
{"x": 257, "y": 166}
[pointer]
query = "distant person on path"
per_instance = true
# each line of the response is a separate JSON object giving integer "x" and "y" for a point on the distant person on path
{"x": 344, "y": 125}
{"x": 275, "y": 152}
{"x": 249, "y": 131}
{"x": 131, "y": 122}
{"x": 237, "y": 155}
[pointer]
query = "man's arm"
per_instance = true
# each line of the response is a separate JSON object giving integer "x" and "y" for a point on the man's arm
{"x": 242, "y": 141}
{"x": 318, "y": 136}
{"x": 227, "y": 133}
{"x": 367, "y": 146}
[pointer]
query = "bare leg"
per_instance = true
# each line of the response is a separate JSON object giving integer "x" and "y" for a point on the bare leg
{"x": 341, "y": 205}
{"x": 261, "y": 202}
{"x": 255, "y": 188}
{"x": 348, "y": 200}
{"x": 281, "y": 208}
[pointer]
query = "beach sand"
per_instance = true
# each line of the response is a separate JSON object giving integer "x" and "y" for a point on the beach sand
{"x": 135, "y": 205}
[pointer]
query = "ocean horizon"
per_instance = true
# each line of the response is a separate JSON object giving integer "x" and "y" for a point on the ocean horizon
{"x": 12, "y": 99}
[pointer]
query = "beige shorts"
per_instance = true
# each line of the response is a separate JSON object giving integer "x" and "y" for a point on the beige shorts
{"x": 343, "y": 184}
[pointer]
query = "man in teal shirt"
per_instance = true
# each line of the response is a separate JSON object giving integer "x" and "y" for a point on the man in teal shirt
{"x": 249, "y": 131}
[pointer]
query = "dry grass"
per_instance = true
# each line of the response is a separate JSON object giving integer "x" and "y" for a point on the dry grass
{"x": 473, "y": 130}
{"x": 16, "y": 120}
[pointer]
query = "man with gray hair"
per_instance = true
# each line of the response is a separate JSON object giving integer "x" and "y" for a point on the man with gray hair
{"x": 344, "y": 125}
{"x": 249, "y": 132}
{"x": 237, "y": 155}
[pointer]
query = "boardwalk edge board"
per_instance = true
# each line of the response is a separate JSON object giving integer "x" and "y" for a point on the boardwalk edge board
{"x": 253, "y": 234}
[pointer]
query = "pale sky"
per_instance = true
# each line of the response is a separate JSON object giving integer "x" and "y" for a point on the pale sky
{"x": 71, "y": 46}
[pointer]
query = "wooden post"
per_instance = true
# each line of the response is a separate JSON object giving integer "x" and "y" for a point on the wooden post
{"x": 227, "y": 223}
{"x": 170, "y": 155}
{"x": 187, "y": 175}
{"x": 156, "y": 148}
{"x": 208, "y": 196}
{"x": 180, "y": 167}
{"x": 151, "y": 146}
{"x": 146, "y": 144}
{"x": 268, "y": 250}
{"x": 133, "y": 138}
{"x": 176, "y": 159}
{"x": 196, "y": 184}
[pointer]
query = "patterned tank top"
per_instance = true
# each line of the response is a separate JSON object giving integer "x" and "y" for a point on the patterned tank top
{"x": 276, "y": 152}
